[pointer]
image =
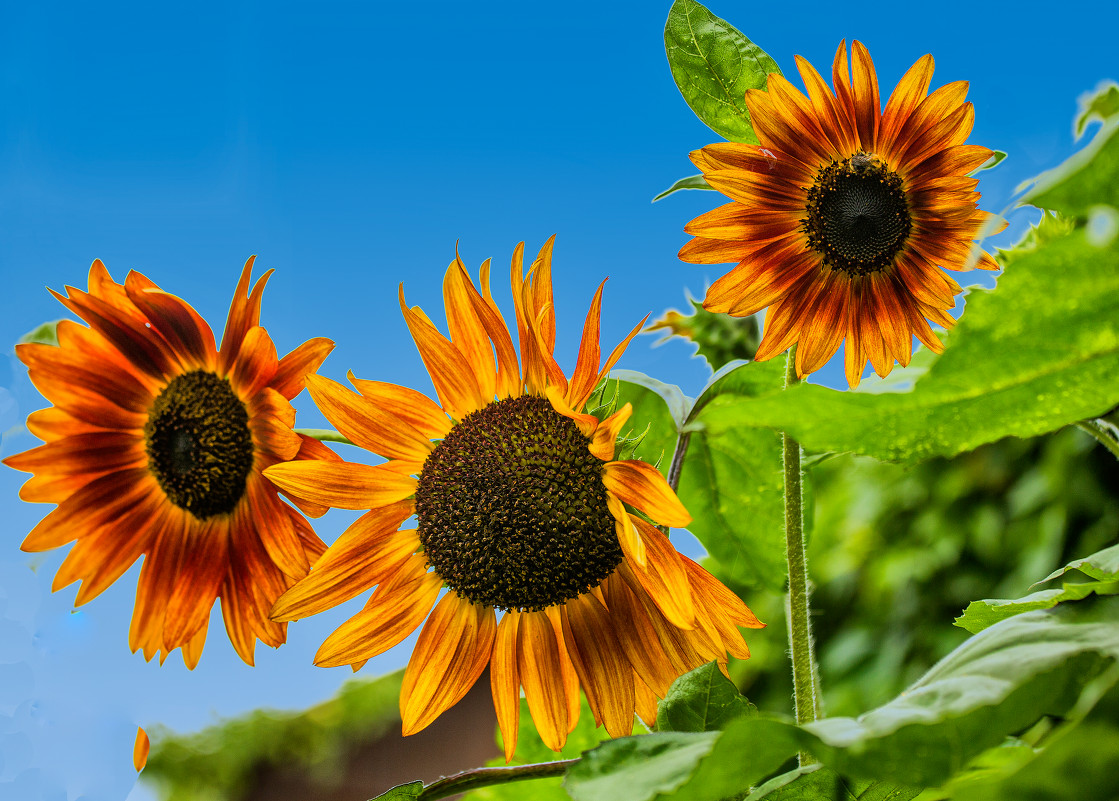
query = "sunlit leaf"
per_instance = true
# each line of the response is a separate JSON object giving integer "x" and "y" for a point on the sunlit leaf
{"x": 981, "y": 614}
{"x": 402, "y": 792}
{"x": 1102, "y": 565}
{"x": 1040, "y": 352}
{"x": 702, "y": 700}
{"x": 691, "y": 182}
{"x": 713, "y": 65}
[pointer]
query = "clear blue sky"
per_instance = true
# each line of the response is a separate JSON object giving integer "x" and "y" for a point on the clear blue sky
{"x": 351, "y": 147}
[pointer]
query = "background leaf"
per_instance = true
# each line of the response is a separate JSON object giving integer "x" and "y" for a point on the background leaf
{"x": 702, "y": 700}
{"x": 402, "y": 792}
{"x": 713, "y": 65}
{"x": 1038, "y": 354}
{"x": 46, "y": 334}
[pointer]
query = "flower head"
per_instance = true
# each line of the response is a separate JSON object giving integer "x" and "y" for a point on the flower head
{"x": 155, "y": 447}
{"x": 521, "y": 508}
{"x": 844, "y": 214}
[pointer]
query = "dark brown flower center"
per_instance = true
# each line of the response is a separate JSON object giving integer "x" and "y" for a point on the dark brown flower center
{"x": 512, "y": 509}
{"x": 199, "y": 446}
{"x": 858, "y": 216}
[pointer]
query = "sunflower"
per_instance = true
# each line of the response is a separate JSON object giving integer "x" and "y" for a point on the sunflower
{"x": 844, "y": 214}
{"x": 521, "y": 508}
{"x": 155, "y": 446}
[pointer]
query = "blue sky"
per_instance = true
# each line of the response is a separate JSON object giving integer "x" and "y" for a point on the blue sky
{"x": 351, "y": 147}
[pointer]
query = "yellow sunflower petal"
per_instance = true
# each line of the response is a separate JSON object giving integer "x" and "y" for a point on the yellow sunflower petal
{"x": 643, "y": 487}
{"x": 342, "y": 485}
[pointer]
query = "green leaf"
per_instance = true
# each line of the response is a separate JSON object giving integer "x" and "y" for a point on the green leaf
{"x": 324, "y": 435}
{"x": 733, "y": 484}
{"x": 886, "y": 791}
{"x": 637, "y": 768}
{"x": 997, "y": 683}
{"x": 1040, "y": 352}
{"x": 691, "y": 182}
{"x": 1102, "y": 565}
{"x": 813, "y": 783}
{"x": 1085, "y": 180}
{"x": 402, "y": 792}
{"x": 713, "y": 65}
{"x": 1098, "y": 106}
{"x": 981, "y": 614}
{"x": 702, "y": 700}
{"x": 46, "y": 334}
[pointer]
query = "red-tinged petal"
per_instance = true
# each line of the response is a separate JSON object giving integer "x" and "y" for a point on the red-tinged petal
{"x": 450, "y": 372}
{"x": 397, "y": 607}
{"x": 311, "y": 449}
{"x": 204, "y": 567}
{"x": 192, "y": 649}
{"x": 842, "y": 137}
{"x": 568, "y": 675}
{"x": 90, "y": 508}
{"x": 188, "y": 335}
{"x": 57, "y": 370}
{"x": 864, "y": 84}
{"x": 641, "y": 486}
{"x": 244, "y": 313}
{"x": 256, "y": 363}
{"x": 293, "y": 369}
{"x": 412, "y": 407}
{"x": 52, "y": 423}
{"x": 157, "y": 581}
{"x": 342, "y": 485}
{"x": 538, "y": 666}
{"x": 637, "y": 636}
{"x": 275, "y": 528}
{"x": 95, "y": 349}
{"x": 235, "y": 608}
{"x": 606, "y": 434}
{"x": 505, "y": 684}
{"x": 453, "y": 649}
{"x": 508, "y": 370}
{"x": 365, "y": 423}
{"x": 600, "y": 663}
{"x": 616, "y": 354}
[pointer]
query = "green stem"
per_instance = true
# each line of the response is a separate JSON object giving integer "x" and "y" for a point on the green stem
{"x": 486, "y": 777}
{"x": 800, "y": 632}
{"x": 323, "y": 435}
{"x": 1104, "y": 432}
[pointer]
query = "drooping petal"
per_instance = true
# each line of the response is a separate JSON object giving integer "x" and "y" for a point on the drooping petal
{"x": 642, "y": 486}
{"x": 454, "y": 648}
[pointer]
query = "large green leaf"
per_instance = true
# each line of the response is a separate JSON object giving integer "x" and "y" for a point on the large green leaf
{"x": 733, "y": 483}
{"x": 1087, "y": 179}
{"x": 713, "y": 65}
{"x": 1102, "y": 566}
{"x": 998, "y": 683}
{"x": 702, "y": 700}
{"x": 1037, "y": 354}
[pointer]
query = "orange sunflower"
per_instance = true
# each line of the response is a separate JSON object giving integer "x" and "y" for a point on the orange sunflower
{"x": 155, "y": 446}
{"x": 522, "y": 508}
{"x": 844, "y": 214}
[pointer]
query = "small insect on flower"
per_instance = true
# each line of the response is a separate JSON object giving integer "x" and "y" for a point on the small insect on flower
{"x": 522, "y": 510}
{"x": 844, "y": 214}
{"x": 155, "y": 447}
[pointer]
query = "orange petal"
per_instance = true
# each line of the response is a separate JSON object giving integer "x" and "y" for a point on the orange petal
{"x": 603, "y": 670}
{"x": 244, "y": 313}
{"x": 586, "y": 423}
{"x": 606, "y": 434}
{"x": 342, "y": 485}
{"x": 369, "y": 558}
{"x": 366, "y": 424}
{"x": 397, "y": 607}
{"x": 538, "y": 665}
{"x": 90, "y": 508}
{"x": 140, "y": 749}
{"x": 453, "y": 649}
{"x": 585, "y": 377}
{"x": 451, "y": 373}
{"x": 256, "y": 363}
{"x": 643, "y": 487}
{"x": 294, "y": 368}
{"x": 664, "y": 578}
{"x": 504, "y": 682}
{"x": 184, "y": 329}
{"x": 412, "y": 407}
{"x": 628, "y": 538}
{"x": 466, "y": 328}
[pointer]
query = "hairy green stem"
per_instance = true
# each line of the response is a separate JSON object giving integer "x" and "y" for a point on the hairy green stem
{"x": 805, "y": 692}
{"x": 487, "y": 777}
{"x": 1103, "y": 432}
